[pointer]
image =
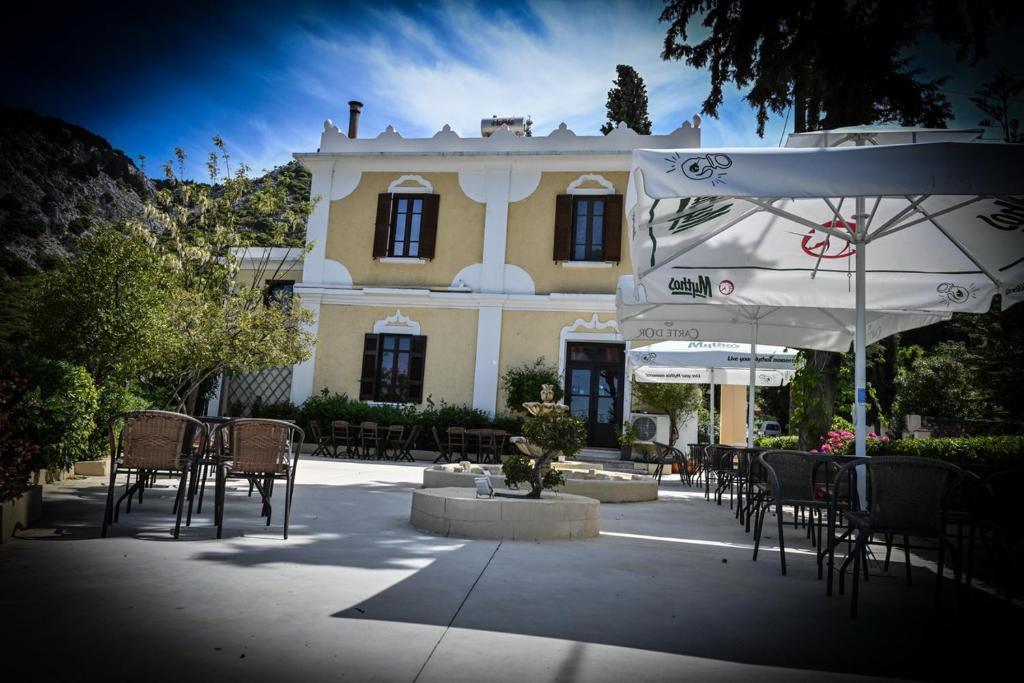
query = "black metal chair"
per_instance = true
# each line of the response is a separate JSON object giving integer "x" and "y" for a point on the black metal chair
{"x": 722, "y": 465}
{"x": 148, "y": 442}
{"x": 906, "y": 496}
{"x": 261, "y": 452}
{"x": 792, "y": 481}
{"x": 667, "y": 455}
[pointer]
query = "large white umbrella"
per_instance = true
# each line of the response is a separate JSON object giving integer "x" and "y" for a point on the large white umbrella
{"x": 791, "y": 227}
{"x": 712, "y": 363}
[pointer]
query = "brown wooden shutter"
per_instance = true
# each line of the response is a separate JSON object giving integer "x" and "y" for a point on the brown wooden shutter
{"x": 417, "y": 366}
{"x": 381, "y": 228}
{"x": 613, "y": 227}
{"x": 563, "y": 227}
{"x": 368, "y": 380}
{"x": 428, "y": 228}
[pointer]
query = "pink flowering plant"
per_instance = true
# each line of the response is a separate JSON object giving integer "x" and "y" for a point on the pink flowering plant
{"x": 840, "y": 440}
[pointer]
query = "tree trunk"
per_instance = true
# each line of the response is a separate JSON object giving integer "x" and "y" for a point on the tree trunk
{"x": 822, "y": 396}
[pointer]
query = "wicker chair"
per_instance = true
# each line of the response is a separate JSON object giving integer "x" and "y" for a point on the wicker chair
{"x": 721, "y": 465}
{"x": 791, "y": 479}
{"x": 261, "y": 452}
{"x": 145, "y": 442}
{"x": 907, "y": 496}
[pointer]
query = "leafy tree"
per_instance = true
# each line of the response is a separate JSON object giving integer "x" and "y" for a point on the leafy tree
{"x": 224, "y": 323}
{"x": 941, "y": 387}
{"x": 995, "y": 99}
{"x": 627, "y": 102}
{"x": 678, "y": 401}
{"x": 106, "y": 309}
{"x": 835, "y": 62}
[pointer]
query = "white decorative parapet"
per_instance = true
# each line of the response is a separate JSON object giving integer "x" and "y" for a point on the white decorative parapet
{"x": 562, "y": 140}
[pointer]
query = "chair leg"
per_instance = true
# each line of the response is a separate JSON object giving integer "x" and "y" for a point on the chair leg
{"x": 782, "y": 545}
{"x": 108, "y": 510}
{"x": 941, "y": 567}
{"x": 289, "y": 494}
{"x": 758, "y": 525}
{"x": 858, "y": 549}
{"x": 218, "y": 499}
{"x": 180, "y": 500}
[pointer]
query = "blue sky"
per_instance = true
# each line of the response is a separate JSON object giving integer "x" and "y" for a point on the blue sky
{"x": 266, "y": 75}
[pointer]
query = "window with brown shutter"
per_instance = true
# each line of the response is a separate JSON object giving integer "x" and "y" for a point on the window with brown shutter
{"x": 393, "y": 367}
{"x": 406, "y": 225}
{"x": 588, "y": 228}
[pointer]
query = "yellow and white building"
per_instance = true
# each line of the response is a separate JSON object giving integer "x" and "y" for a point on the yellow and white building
{"x": 438, "y": 263}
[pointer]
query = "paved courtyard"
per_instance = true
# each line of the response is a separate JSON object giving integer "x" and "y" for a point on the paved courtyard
{"x": 667, "y": 592}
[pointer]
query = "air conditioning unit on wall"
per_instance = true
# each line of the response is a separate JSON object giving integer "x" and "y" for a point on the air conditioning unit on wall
{"x": 650, "y": 427}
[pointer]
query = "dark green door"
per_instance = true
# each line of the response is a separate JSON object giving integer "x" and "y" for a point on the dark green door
{"x": 593, "y": 389}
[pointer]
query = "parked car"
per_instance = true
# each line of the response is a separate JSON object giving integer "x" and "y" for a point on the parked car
{"x": 770, "y": 428}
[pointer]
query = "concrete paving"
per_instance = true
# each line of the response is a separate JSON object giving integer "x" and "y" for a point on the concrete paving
{"x": 667, "y": 592}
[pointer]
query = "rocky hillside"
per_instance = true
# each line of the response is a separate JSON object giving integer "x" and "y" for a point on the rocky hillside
{"x": 57, "y": 180}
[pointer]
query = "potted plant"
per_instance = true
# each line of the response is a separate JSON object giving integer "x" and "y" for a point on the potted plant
{"x": 627, "y": 437}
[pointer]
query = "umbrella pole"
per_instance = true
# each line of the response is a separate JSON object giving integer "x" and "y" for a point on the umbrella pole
{"x": 859, "y": 372}
{"x": 750, "y": 389}
{"x": 711, "y": 427}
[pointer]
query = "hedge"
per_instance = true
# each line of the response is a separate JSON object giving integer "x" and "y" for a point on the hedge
{"x": 326, "y": 407}
{"x": 993, "y": 451}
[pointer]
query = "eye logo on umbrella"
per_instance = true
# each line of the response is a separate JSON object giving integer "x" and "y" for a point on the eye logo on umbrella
{"x": 704, "y": 167}
{"x": 952, "y": 293}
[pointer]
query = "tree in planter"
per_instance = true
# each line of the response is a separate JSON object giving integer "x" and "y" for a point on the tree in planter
{"x": 18, "y": 451}
{"x": 522, "y": 383}
{"x": 678, "y": 401}
{"x": 551, "y": 431}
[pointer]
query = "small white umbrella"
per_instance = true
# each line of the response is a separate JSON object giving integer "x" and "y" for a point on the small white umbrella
{"x": 713, "y": 363}
{"x": 825, "y": 329}
{"x": 791, "y": 227}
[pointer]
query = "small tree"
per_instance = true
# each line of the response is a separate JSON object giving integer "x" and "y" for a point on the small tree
{"x": 627, "y": 102}
{"x": 678, "y": 401}
{"x": 552, "y": 432}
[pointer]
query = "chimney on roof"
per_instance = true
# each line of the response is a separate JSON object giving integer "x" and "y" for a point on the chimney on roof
{"x": 354, "y": 109}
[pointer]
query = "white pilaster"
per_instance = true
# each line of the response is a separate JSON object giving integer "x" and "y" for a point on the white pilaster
{"x": 316, "y": 225}
{"x": 488, "y": 346}
{"x": 492, "y": 277}
{"x": 302, "y": 373}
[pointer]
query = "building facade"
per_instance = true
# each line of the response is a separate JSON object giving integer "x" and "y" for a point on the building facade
{"x": 437, "y": 264}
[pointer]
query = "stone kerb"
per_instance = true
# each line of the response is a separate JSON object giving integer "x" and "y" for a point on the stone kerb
{"x": 457, "y": 511}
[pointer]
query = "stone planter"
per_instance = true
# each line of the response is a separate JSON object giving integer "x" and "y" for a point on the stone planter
{"x": 45, "y": 476}
{"x": 93, "y": 468}
{"x": 20, "y": 512}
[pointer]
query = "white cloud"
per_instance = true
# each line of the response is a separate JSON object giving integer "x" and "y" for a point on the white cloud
{"x": 484, "y": 64}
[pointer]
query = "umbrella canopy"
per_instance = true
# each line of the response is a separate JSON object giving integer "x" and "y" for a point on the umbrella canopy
{"x": 852, "y": 136}
{"x": 797, "y": 227}
{"x": 824, "y": 329}
{"x": 713, "y": 363}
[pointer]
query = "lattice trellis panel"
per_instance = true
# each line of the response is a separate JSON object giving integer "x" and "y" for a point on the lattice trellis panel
{"x": 243, "y": 390}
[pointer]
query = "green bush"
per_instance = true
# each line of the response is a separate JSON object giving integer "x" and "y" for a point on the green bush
{"x": 60, "y": 413}
{"x": 113, "y": 399}
{"x": 783, "y": 443}
{"x": 557, "y": 431}
{"x": 17, "y": 450}
{"x": 523, "y": 383}
{"x": 285, "y": 410}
